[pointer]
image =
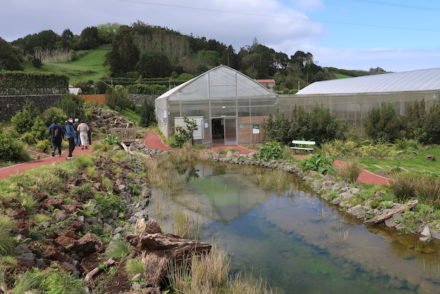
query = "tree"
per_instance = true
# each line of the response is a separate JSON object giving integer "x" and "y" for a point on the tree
{"x": 124, "y": 54}
{"x": 154, "y": 64}
{"x": 10, "y": 57}
{"x": 383, "y": 124}
{"x": 89, "y": 38}
{"x": 72, "y": 105}
{"x": 106, "y": 32}
{"x": 67, "y": 38}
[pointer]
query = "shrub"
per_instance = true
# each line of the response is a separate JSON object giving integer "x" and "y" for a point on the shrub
{"x": 111, "y": 140}
{"x": 43, "y": 146}
{"x": 72, "y": 105}
{"x": 383, "y": 124}
{"x": 431, "y": 126}
{"x": 53, "y": 113}
{"x": 107, "y": 205}
{"x": 11, "y": 149}
{"x": 318, "y": 124}
{"x": 350, "y": 172}
{"x": 147, "y": 113}
{"x": 24, "y": 119}
{"x": 118, "y": 100}
{"x": 404, "y": 186}
{"x": 117, "y": 249}
{"x": 29, "y": 138}
{"x": 319, "y": 163}
{"x": 134, "y": 267}
{"x": 271, "y": 151}
{"x": 428, "y": 191}
{"x": 39, "y": 129}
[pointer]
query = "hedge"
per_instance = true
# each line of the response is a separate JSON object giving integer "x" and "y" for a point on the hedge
{"x": 153, "y": 89}
{"x": 22, "y": 83}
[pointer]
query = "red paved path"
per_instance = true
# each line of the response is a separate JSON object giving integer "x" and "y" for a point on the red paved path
{"x": 152, "y": 140}
{"x": 19, "y": 168}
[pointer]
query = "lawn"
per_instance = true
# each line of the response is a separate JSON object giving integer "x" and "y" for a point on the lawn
{"x": 415, "y": 164}
{"x": 89, "y": 66}
{"x": 342, "y": 76}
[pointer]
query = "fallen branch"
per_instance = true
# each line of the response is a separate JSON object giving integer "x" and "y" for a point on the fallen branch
{"x": 389, "y": 213}
{"x": 90, "y": 275}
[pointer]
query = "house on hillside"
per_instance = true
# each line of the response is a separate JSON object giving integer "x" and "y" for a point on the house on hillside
{"x": 267, "y": 83}
{"x": 74, "y": 90}
{"x": 351, "y": 99}
{"x": 228, "y": 107}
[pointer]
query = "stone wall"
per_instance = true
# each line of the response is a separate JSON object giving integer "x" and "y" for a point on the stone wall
{"x": 139, "y": 98}
{"x": 9, "y": 105}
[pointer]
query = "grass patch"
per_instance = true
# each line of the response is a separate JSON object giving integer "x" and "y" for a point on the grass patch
{"x": 88, "y": 66}
{"x": 350, "y": 172}
{"x": 131, "y": 115}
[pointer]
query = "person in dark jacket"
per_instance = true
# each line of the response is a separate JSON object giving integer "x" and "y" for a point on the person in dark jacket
{"x": 70, "y": 136}
{"x": 56, "y": 137}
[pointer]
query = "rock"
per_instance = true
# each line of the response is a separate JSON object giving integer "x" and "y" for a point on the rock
{"x": 425, "y": 239}
{"x": 60, "y": 215}
{"x": 118, "y": 230}
{"x": 97, "y": 186}
{"x": 81, "y": 218}
{"x": 65, "y": 241}
{"x": 27, "y": 259}
{"x": 435, "y": 234}
{"x": 390, "y": 223}
{"x": 400, "y": 227}
{"x": 426, "y": 232}
{"x": 346, "y": 196}
{"x": 357, "y": 211}
{"x": 430, "y": 157}
{"x": 51, "y": 202}
{"x": 336, "y": 201}
{"x": 70, "y": 208}
{"x": 87, "y": 245}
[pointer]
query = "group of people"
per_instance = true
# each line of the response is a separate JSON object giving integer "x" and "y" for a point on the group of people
{"x": 76, "y": 133}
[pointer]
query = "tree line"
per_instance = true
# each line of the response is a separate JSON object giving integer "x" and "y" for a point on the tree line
{"x": 142, "y": 50}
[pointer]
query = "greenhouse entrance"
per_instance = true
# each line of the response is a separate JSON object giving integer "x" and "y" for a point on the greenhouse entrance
{"x": 224, "y": 131}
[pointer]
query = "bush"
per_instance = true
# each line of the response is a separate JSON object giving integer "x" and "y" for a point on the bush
{"x": 24, "y": 119}
{"x": 404, "y": 186}
{"x": 319, "y": 163}
{"x": 383, "y": 124}
{"x": 39, "y": 129}
{"x": 53, "y": 113}
{"x": 147, "y": 113}
{"x": 72, "y": 105}
{"x": 43, "y": 146}
{"x": 147, "y": 89}
{"x": 350, "y": 172}
{"x": 11, "y": 149}
{"x": 318, "y": 125}
{"x": 111, "y": 139}
{"x": 271, "y": 151}
{"x": 118, "y": 100}
{"x": 117, "y": 249}
{"x": 431, "y": 126}
{"x": 29, "y": 138}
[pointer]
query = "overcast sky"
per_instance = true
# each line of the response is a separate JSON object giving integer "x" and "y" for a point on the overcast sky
{"x": 355, "y": 34}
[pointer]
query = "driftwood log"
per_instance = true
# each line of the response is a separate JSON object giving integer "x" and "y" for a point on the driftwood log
{"x": 160, "y": 251}
{"x": 390, "y": 212}
{"x": 90, "y": 275}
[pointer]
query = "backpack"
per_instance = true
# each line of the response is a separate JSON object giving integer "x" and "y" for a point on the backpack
{"x": 56, "y": 130}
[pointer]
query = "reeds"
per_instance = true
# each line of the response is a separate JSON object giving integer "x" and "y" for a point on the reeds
{"x": 209, "y": 274}
{"x": 426, "y": 189}
{"x": 350, "y": 172}
{"x": 185, "y": 226}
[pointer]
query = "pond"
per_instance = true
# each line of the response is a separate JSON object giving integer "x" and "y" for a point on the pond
{"x": 275, "y": 227}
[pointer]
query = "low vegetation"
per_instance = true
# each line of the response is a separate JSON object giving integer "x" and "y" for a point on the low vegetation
{"x": 350, "y": 172}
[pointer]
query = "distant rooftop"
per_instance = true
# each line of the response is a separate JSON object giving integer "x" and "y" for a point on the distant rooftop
{"x": 417, "y": 80}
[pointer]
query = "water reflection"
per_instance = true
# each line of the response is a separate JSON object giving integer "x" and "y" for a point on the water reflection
{"x": 268, "y": 224}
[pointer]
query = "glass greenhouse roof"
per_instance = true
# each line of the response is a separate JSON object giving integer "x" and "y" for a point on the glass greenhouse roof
{"x": 418, "y": 80}
{"x": 221, "y": 82}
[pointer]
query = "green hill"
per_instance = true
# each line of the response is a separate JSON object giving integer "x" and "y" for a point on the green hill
{"x": 89, "y": 65}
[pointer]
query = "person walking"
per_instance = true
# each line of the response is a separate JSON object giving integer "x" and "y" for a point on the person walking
{"x": 56, "y": 137}
{"x": 83, "y": 130}
{"x": 77, "y": 138}
{"x": 70, "y": 136}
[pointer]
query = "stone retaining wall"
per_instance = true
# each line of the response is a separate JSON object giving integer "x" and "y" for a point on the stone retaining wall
{"x": 9, "y": 105}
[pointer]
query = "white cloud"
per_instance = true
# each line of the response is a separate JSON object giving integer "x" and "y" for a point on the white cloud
{"x": 234, "y": 22}
{"x": 388, "y": 59}
{"x": 309, "y": 4}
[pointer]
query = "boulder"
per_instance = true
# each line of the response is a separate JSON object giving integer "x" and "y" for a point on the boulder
{"x": 357, "y": 211}
{"x": 87, "y": 245}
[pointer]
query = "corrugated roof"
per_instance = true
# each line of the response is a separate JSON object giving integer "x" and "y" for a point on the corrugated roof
{"x": 417, "y": 80}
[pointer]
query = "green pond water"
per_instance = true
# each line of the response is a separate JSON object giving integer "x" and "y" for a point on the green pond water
{"x": 273, "y": 226}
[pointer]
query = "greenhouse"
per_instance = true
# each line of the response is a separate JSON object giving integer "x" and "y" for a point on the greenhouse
{"x": 228, "y": 107}
{"x": 351, "y": 99}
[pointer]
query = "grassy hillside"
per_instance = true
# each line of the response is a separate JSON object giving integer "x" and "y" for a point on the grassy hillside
{"x": 88, "y": 66}
{"x": 342, "y": 76}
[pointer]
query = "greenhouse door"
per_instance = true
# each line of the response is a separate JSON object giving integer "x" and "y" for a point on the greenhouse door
{"x": 230, "y": 131}
{"x": 218, "y": 131}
